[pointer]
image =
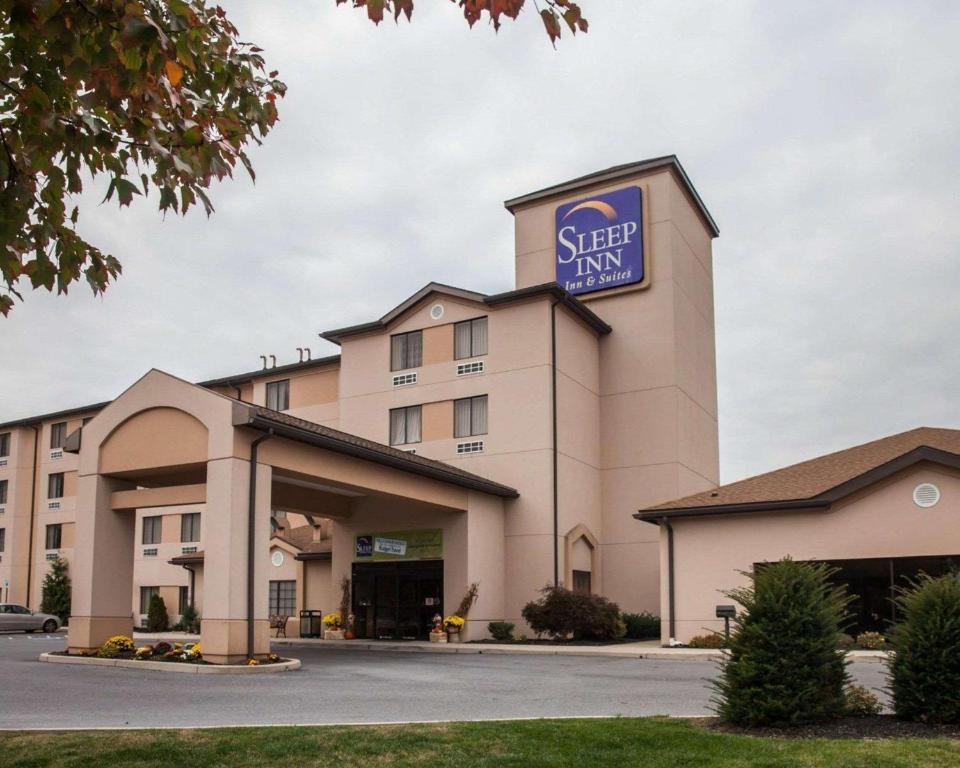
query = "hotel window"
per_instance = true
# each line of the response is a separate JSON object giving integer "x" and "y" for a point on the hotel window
{"x": 406, "y": 350}
{"x": 3, "y": 538}
{"x": 190, "y": 527}
{"x": 470, "y": 338}
{"x": 4, "y": 444}
{"x": 54, "y": 536}
{"x": 470, "y": 416}
{"x": 146, "y": 595}
{"x": 278, "y": 395}
{"x": 152, "y": 527}
{"x": 55, "y": 485}
{"x": 58, "y": 434}
{"x": 3, "y": 491}
{"x": 184, "y": 600}
{"x": 405, "y": 425}
{"x": 283, "y": 598}
{"x": 581, "y": 582}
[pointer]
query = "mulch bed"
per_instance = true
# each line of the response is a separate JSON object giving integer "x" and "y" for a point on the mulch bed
{"x": 620, "y": 641}
{"x": 877, "y": 727}
{"x": 128, "y": 656}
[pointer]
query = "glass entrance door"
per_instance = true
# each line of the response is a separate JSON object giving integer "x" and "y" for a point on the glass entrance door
{"x": 396, "y": 601}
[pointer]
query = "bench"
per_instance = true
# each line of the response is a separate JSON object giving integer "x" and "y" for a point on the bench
{"x": 279, "y": 623}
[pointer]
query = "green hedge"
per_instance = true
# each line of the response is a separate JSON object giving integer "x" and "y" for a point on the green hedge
{"x": 925, "y": 668}
{"x": 783, "y": 666}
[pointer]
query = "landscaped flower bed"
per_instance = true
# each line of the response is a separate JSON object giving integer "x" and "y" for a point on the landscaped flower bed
{"x": 122, "y": 647}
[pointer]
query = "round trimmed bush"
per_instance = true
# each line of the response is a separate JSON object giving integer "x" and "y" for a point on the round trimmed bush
{"x": 862, "y": 702}
{"x": 642, "y": 626}
{"x": 925, "y": 667}
{"x": 563, "y": 613}
{"x": 501, "y": 631}
{"x": 783, "y": 667}
{"x": 713, "y": 640}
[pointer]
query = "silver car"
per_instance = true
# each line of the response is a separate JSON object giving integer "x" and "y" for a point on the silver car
{"x": 16, "y": 617}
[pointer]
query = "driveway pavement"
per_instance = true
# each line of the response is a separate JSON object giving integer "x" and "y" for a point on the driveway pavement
{"x": 344, "y": 686}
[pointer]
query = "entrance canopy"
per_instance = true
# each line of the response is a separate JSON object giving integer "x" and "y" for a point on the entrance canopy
{"x": 167, "y": 442}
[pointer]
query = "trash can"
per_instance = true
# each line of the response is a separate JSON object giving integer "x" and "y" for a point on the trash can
{"x": 311, "y": 623}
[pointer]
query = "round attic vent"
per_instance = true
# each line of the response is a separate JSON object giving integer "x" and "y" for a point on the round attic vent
{"x": 926, "y": 495}
{"x": 277, "y": 558}
{"x": 436, "y": 311}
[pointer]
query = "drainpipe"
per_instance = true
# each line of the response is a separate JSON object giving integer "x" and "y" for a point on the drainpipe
{"x": 252, "y": 537}
{"x": 33, "y": 507}
{"x": 556, "y": 498}
{"x": 193, "y": 582}
{"x": 671, "y": 591}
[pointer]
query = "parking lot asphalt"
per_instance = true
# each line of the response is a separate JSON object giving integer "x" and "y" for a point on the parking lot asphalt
{"x": 337, "y": 686}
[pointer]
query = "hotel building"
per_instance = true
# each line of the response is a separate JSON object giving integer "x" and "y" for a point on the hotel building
{"x": 506, "y": 440}
{"x": 501, "y": 439}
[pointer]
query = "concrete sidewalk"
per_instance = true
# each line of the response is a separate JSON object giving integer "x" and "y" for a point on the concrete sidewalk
{"x": 647, "y": 649}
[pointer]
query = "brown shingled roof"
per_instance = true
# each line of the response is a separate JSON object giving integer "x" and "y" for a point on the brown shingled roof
{"x": 820, "y": 481}
{"x": 301, "y": 537}
{"x": 294, "y": 428}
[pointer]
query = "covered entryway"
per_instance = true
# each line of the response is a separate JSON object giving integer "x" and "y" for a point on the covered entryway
{"x": 167, "y": 442}
{"x": 397, "y": 601}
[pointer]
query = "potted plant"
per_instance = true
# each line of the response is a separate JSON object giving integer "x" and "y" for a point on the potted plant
{"x": 454, "y": 625}
{"x": 333, "y": 626}
{"x": 437, "y": 634}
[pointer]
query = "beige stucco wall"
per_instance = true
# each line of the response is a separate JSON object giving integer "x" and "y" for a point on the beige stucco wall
{"x": 18, "y": 472}
{"x": 318, "y": 591}
{"x": 657, "y": 376}
{"x": 881, "y": 521}
{"x": 156, "y": 570}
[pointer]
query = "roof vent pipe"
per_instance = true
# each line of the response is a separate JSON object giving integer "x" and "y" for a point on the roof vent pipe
{"x": 273, "y": 361}
{"x": 264, "y": 359}
{"x": 307, "y": 350}
{"x": 300, "y": 350}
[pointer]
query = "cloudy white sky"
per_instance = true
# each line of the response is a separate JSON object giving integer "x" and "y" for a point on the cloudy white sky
{"x": 823, "y": 137}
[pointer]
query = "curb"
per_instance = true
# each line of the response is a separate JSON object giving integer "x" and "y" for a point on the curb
{"x": 165, "y": 666}
{"x": 495, "y": 650}
{"x": 653, "y": 654}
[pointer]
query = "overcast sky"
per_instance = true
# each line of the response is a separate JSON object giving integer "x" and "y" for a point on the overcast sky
{"x": 823, "y": 137}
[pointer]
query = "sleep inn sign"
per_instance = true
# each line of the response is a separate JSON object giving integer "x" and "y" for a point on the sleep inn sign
{"x": 600, "y": 241}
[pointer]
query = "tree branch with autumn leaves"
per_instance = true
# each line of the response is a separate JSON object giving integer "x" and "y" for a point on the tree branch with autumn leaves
{"x": 158, "y": 96}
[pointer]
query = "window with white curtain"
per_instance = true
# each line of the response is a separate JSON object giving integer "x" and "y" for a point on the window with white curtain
{"x": 470, "y": 338}
{"x": 58, "y": 435}
{"x": 405, "y": 425}
{"x": 406, "y": 350}
{"x": 278, "y": 395}
{"x": 470, "y": 416}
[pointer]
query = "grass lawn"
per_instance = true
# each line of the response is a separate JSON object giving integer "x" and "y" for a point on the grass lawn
{"x": 650, "y": 743}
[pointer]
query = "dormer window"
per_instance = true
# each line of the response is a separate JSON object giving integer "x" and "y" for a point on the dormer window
{"x": 406, "y": 350}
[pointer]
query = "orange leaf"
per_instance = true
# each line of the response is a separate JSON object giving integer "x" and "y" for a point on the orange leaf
{"x": 174, "y": 73}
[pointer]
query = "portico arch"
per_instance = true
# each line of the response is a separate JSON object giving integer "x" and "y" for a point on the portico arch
{"x": 171, "y": 438}
{"x": 152, "y": 440}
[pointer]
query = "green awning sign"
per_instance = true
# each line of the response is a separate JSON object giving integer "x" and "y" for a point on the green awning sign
{"x": 423, "y": 544}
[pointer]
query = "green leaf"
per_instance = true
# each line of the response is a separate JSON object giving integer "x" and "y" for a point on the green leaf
{"x": 126, "y": 189}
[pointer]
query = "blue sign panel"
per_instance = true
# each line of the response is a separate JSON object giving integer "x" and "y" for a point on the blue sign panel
{"x": 600, "y": 241}
{"x": 364, "y": 546}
